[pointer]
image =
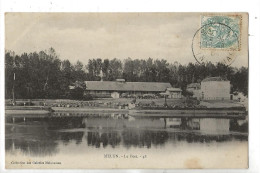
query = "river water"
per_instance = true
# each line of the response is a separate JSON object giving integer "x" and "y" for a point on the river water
{"x": 105, "y": 141}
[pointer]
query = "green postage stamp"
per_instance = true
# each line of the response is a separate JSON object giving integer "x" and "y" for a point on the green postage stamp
{"x": 220, "y": 32}
{"x": 220, "y": 37}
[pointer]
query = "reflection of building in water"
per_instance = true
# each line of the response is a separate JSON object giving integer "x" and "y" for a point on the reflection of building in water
{"x": 172, "y": 122}
{"x": 132, "y": 132}
{"x": 210, "y": 125}
{"x": 43, "y": 137}
{"x": 193, "y": 123}
{"x": 123, "y": 123}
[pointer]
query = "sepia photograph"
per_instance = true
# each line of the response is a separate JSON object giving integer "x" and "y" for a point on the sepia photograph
{"x": 126, "y": 90}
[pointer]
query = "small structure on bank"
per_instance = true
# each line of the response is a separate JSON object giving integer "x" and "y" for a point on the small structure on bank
{"x": 174, "y": 93}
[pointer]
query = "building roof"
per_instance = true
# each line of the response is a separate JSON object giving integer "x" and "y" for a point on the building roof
{"x": 174, "y": 89}
{"x": 193, "y": 85}
{"x": 126, "y": 86}
{"x": 213, "y": 79}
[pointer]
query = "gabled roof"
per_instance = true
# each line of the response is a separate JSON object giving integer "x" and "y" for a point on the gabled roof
{"x": 126, "y": 86}
{"x": 213, "y": 79}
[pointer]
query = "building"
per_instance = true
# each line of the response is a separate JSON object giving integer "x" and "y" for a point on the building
{"x": 215, "y": 88}
{"x": 195, "y": 89}
{"x": 193, "y": 86}
{"x": 174, "y": 93}
{"x": 116, "y": 88}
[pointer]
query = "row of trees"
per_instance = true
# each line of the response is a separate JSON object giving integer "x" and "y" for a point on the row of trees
{"x": 44, "y": 75}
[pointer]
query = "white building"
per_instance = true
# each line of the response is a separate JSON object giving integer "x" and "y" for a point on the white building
{"x": 215, "y": 88}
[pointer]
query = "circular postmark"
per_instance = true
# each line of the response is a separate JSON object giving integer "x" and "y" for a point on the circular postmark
{"x": 215, "y": 43}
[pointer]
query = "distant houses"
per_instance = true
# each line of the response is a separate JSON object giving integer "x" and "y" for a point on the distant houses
{"x": 120, "y": 87}
{"x": 211, "y": 88}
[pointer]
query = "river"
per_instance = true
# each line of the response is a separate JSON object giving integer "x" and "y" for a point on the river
{"x": 120, "y": 141}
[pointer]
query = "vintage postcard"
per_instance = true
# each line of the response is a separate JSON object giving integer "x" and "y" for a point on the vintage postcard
{"x": 126, "y": 90}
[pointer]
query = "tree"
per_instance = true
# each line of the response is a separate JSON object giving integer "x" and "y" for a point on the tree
{"x": 78, "y": 72}
{"x": 78, "y": 92}
{"x": 66, "y": 76}
{"x": 43, "y": 75}
{"x": 114, "y": 70}
{"x": 105, "y": 68}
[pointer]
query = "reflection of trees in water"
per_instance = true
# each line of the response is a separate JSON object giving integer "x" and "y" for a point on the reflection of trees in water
{"x": 67, "y": 137}
{"x": 32, "y": 140}
{"x": 234, "y": 126}
{"x": 203, "y": 138}
{"x": 57, "y": 123}
{"x": 144, "y": 138}
{"x": 106, "y": 138}
{"x": 129, "y": 137}
{"x": 39, "y": 136}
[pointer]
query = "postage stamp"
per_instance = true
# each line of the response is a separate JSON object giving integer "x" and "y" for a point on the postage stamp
{"x": 220, "y": 32}
{"x": 218, "y": 40}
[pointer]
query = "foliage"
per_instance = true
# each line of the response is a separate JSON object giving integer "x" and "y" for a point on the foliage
{"x": 77, "y": 94}
{"x": 44, "y": 75}
{"x": 187, "y": 93}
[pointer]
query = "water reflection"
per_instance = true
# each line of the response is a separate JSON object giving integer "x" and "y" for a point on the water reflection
{"x": 108, "y": 138}
{"x": 32, "y": 139}
{"x": 44, "y": 136}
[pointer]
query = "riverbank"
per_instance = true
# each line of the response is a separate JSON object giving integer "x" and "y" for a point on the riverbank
{"x": 122, "y": 103}
{"x": 139, "y": 107}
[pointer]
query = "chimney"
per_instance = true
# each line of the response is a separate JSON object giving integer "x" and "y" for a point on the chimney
{"x": 101, "y": 75}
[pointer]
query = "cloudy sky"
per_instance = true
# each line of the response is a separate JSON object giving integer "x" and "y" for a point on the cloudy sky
{"x": 81, "y": 36}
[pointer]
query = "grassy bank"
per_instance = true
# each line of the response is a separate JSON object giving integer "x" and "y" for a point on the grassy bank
{"x": 121, "y": 103}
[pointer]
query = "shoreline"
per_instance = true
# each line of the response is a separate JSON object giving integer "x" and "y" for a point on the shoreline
{"x": 172, "y": 113}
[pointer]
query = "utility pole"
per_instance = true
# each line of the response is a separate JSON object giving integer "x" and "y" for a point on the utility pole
{"x": 13, "y": 90}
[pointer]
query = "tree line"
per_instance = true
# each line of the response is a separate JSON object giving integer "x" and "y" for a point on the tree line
{"x": 44, "y": 75}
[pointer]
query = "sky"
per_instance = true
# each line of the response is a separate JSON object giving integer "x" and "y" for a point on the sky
{"x": 83, "y": 36}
